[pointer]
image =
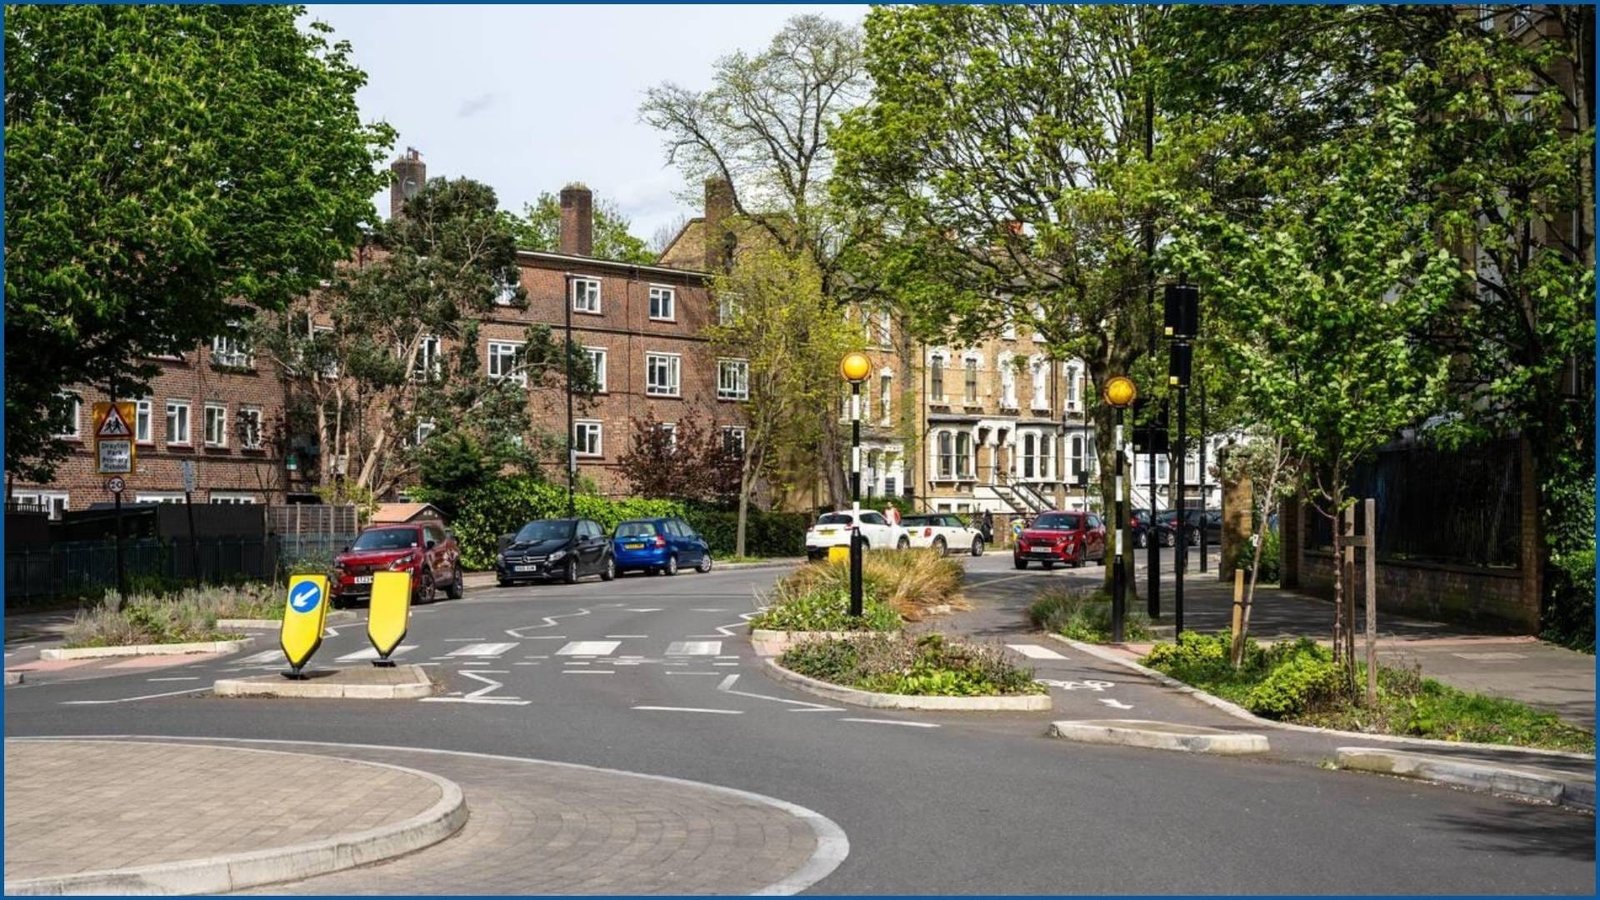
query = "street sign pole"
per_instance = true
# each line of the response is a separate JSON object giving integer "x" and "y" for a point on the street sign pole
{"x": 188, "y": 506}
{"x": 116, "y": 485}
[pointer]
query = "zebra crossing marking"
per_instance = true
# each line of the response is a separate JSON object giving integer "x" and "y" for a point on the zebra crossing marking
{"x": 490, "y": 650}
{"x": 372, "y": 653}
{"x": 589, "y": 648}
{"x": 694, "y": 648}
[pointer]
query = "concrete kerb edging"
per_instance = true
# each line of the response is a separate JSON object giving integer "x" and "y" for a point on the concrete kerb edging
{"x": 221, "y": 874}
{"x": 60, "y": 653}
{"x": 1540, "y": 786}
{"x": 1240, "y": 712}
{"x": 277, "y": 686}
{"x": 1133, "y": 733}
{"x": 1022, "y": 702}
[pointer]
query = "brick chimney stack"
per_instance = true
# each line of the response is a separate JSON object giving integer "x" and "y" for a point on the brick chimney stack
{"x": 410, "y": 174}
{"x": 577, "y": 220}
{"x": 719, "y": 209}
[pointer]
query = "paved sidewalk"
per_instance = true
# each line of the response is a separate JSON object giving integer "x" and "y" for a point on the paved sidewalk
{"x": 81, "y": 807}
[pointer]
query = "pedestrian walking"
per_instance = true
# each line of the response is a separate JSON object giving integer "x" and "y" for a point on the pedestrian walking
{"x": 986, "y": 527}
{"x": 892, "y": 513}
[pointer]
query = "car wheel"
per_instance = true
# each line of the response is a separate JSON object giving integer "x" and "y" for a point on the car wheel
{"x": 1141, "y": 541}
{"x": 940, "y": 546}
{"x": 1194, "y": 538}
{"x": 672, "y": 564}
{"x": 1166, "y": 539}
{"x": 977, "y": 546}
{"x": 610, "y": 571}
{"x": 457, "y": 586}
{"x": 1019, "y": 563}
{"x": 570, "y": 573}
{"x": 903, "y": 544}
{"x": 865, "y": 545}
{"x": 705, "y": 562}
{"x": 425, "y": 590}
{"x": 1048, "y": 564}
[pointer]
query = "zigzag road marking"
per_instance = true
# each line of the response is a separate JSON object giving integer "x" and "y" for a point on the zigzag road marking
{"x": 548, "y": 622}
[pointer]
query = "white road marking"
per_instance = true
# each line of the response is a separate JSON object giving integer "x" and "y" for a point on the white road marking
{"x": 483, "y": 650}
{"x": 548, "y": 637}
{"x": 1034, "y": 651}
{"x": 478, "y": 696}
{"x": 524, "y": 664}
{"x": 1115, "y": 704}
{"x": 725, "y": 664}
{"x": 589, "y": 648}
{"x": 647, "y": 609}
{"x": 744, "y": 619}
{"x": 693, "y": 673}
{"x": 463, "y": 640}
{"x": 1490, "y": 657}
{"x": 693, "y": 709}
{"x": 718, "y": 609}
{"x": 331, "y": 632}
{"x": 548, "y": 622}
{"x": 184, "y": 678}
{"x": 1076, "y": 685}
{"x": 265, "y": 656}
{"x": 131, "y": 699}
{"x": 694, "y": 648}
{"x": 892, "y": 722}
{"x": 577, "y": 662}
{"x": 727, "y": 682}
{"x": 727, "y": 687}
{"x": 372, "y": 653}
{"x": 588, "y": 672}
{"x": 627, "y": 636}
{"x": 537, "y": 656}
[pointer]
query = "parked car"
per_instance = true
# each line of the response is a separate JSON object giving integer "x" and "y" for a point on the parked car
{"x": 654, "y": 546}
{"x": 943, "y": 532}
{"x": 425, "y": 549}
{"x": 556, "y": 548}
{"x": 1072, "y": 538}
{"x": 1193, "y": 521}
{"x": 1139, "y": 528}
{"x": 833, "y": 530}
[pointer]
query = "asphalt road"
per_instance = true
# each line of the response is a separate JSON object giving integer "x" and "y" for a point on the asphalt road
{"x": 651, "y": 674}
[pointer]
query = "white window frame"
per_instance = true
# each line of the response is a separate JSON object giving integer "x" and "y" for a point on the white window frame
{"x": 580, "y": 290}
{"x": 185, "y": 437}
{"x": 588, "y": 438}
{"x": 727, "y": 308}
{"x": 1028, "y": 457}
{"x": 885, "y": 391}
{"x": 231, "y": 498}
{"x": 159, "y": 497}
{"x": 332, "y": 369}
{"x": 965, "y": 472}
{"x": 597, "y": 362}
{"x": 670, "y": 429}
{"x": 732, "y": 435}
{"x": 1038, "y": 318}
{"x": 1008, "y": 382}
{"x": 1076, "y": 461}
{"x": 245, "y": 441}
{"x": 1008, "y": 330}
{"x": 674, "y": 370}
{"x": 507, "y": 294}
{"x": 936, "y": 377}
{"x": 45, "y": 499}
{"x": 144, "y": 420}
{"x": 232, "y": 351}
{"x": 1074, "y": 398}
{"x": 221, "y": 421}
{"x": 660, "y": 293}
{"x": 733, "y": 379}
{"x": 495, "y": 356}
{"x": 1038, "y": 372}
{"x": 425, "y": 430}
{"x": 971, "y": 384}
{"x": 944, "y": 454}
{"x": 428, "y": 365}
{"x": 76, "y": 423}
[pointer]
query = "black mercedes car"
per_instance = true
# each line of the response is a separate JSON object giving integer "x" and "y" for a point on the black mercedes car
{"x": 555, "y": 548}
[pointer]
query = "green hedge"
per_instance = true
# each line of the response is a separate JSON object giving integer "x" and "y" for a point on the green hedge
{"x": 766, "y": 533}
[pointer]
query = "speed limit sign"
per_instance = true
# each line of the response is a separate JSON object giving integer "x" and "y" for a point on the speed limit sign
{"x": 115, "y": 485}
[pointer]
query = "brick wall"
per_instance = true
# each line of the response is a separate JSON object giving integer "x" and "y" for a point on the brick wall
{"x": 1486, "y": 599}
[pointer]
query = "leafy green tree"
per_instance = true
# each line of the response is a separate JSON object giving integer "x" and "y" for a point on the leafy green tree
{"x": 167, "y": 168}
{"x": 539, "y": 228}
{"x": 689, "y": 462}
{"x": 393, "y": 343}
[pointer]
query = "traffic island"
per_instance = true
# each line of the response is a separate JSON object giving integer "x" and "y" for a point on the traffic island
{"x": 873, "y": 700}
{"x": 1522, "y": 782}
{"x": 138, "y": 817}
{"x": 53, "y": 654}
{"x": 368, "y": 683}
{"x": 1159, "y": 736}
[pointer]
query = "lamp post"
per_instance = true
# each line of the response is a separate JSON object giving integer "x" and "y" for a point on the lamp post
{"x": 854, "y": 367}
{"x": 1120, "y": 393}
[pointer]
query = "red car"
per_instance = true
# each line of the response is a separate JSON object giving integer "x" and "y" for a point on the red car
{"x": 424, "y": 549}
{"x": 1065, "y": 537}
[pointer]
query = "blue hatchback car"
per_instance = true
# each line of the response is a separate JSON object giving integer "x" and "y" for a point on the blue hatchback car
{"x": 659, "y": 545}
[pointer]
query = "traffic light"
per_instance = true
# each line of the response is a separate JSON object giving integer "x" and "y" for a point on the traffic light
{"x": 1179, "y": 362}
{"x": 1182, "y": 319}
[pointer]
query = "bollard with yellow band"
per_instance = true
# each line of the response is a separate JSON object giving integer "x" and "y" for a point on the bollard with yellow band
{"x": 839, "y": 554}
{"x": 390, "y": 613}
{"x": 303, "y": 620}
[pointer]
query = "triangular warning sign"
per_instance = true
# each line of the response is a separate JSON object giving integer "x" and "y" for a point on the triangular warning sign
{"x": 114, "y": 425}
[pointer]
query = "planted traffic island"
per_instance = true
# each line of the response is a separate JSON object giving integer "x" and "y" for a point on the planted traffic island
{"x": 898, "y": 671}
{"x": 191, "y": 620}
{"x": 1297, "y": 683}
{"x": 354, "y": 683}
{"x": 897, "y": 586}
{"x": 1085, "y": 615}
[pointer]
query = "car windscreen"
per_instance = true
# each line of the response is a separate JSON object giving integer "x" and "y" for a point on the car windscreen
{"x": 548, "y": 530}
{"x": 386, "y": 539}
{"x": 636, "y": 529}
{"x": 835, "y": 519}
{"x": 1056, "y": 521}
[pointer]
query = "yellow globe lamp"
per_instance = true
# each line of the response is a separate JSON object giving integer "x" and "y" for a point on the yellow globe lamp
{"x": 855, "y": 367}
{"x": 1120, "y": 391}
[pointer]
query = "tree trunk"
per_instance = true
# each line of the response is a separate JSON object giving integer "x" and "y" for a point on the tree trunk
{"x": 832, "y": 454}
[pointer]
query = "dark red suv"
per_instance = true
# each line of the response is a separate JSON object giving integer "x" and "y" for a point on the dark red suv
{"x": 424, "y": 549}
{"x": 1073, "y": 538}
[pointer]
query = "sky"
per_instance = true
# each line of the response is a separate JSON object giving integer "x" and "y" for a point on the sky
{"x": 529, "y": 98}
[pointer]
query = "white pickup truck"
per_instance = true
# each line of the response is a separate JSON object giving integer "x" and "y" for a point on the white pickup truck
{"x": 833, "y": 530}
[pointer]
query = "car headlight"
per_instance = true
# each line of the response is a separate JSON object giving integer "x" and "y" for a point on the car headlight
{"x": 558, "y": 555}
{"x": 402, "y": 562}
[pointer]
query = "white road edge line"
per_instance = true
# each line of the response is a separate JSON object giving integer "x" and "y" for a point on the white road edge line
{"x": 891, "y": 722}
{"x": 693, "y": 709}
{"x": 727, "y": 688}
{"x": 131, "y": 699}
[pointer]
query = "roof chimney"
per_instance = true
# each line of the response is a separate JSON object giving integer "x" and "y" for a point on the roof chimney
{"x": 410, "y": 174}
{"x": 577, "y": 220}
{"x": 719, "y": 209}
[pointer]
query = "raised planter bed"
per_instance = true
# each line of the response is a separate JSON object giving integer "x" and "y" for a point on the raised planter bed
{"x": 1008, "y": 702}
{"x": 773, "y": 643}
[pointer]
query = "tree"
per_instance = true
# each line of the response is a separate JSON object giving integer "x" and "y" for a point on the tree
{"x": 688, "y": 461}
{"x": 1274, "y": 475}
{"x": 167, "y": 169}
{"x": 765, "y": 127}
{"x": 397, "y": 358}
{"x": 1008, "y": 162}
{"x": 539, "y": 228}
{"x": 1319, "y": 304}
{"x": 792, "y": 339}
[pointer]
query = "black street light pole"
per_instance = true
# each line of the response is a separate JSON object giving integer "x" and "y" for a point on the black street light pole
{"x": 572, "y": 452}
{"x": 1204, "y": 545}
{"x": 1120, "y": 393}
{"x": 1182, "y": 326}
{"x": 854, "y": 367}
{"x": 1153, "y": 603}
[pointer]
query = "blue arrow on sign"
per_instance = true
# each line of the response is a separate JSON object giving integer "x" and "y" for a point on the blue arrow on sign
{"x": 305, "y": 597}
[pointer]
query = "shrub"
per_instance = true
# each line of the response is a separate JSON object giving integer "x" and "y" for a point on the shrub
{"x": 506, "y": 504}
{"x": 1299, "y": 684}
{"x": 766, "y": 533}
{"x": 826, "y": 609}
{"x": 1084, "y": 616}
{"x": 909, "y": 582}
{"x": 929, "y": 665}
{"x": 188, "y": 615}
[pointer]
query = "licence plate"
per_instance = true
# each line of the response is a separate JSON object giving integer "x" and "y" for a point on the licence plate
{"x": 363, "y": 579}
{"x": 1041, "y": 553}
{"x": 633, "y": 546}
{"x": 525, "y": 568}
{"x": 825, "y": 531}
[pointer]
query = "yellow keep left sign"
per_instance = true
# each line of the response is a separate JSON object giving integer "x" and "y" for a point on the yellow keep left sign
{"x": 389, "y": 613}
{"x": 304, "y": 618}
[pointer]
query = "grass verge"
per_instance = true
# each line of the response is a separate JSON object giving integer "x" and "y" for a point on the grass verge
{"x": 930, "y": 665}
{"x": 1084, "y": 616}
{"x": 186, "y": 616}
{"x": 1298, "y": 682}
